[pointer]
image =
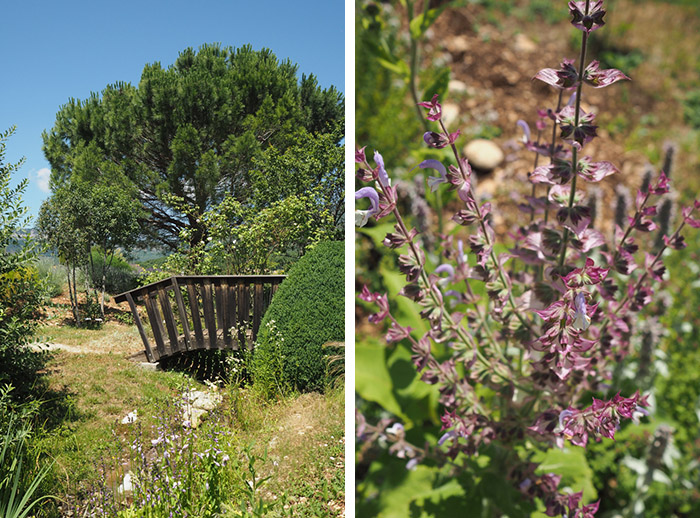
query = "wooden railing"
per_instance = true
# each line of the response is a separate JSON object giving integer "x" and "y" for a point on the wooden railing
{"x": 193, "y": 312}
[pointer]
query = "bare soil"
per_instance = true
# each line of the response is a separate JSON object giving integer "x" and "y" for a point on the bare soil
{"x": 498, "y": 62}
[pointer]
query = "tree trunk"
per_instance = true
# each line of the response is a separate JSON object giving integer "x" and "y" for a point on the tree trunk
{"x": 73, "y": 293}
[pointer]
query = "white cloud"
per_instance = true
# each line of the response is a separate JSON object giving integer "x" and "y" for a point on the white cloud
{"x": 42, "y": 179}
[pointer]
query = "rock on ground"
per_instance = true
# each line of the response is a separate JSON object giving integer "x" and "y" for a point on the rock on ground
{"x": 483, "y": 154}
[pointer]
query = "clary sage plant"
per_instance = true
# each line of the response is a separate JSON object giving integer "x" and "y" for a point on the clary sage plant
{"x": 516, "y": 370}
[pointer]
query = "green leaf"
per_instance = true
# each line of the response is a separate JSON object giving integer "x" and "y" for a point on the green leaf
{"x": 438, "y": 85}
{"x": 372, "y": 379}
{"x": 423, "y": 21}
{"x": 422, "y": 492}
{"x": 573, "y": 467}
{"x": 399, "y": 67}
{"x": 407, "y": 312}
{"x": 386, "y": 375}
{"x": 499, "y": 491}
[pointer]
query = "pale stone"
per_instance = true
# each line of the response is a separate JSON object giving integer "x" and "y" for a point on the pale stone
{"x": 127, "y": 485}
{"x": 192, "y": 417}
{"x": 458, "y": 44}
{"x": 450, "y": 113}
{"x": 197, "y": 405}
{"x": 130, "y": 417}
{"x": 457, "y": 87}
{"x": 203, "y": 400}
{"x": 524, "y": 44}
{"x": 483, "y": 154}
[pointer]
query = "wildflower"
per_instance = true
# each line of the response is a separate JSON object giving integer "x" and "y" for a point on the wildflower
{"x": 362, "y": 216}
{"x": 565, "y": 77}
{"x": 581, "y": 320}
{"x": 574, "y": 134}
{"x": 360, "y": 155}
{"x": 438, "y": 140}
{"x": 434, "y": 181}
{"x": 601, "y": 78}
{"x": 411, "y": 464}
{"x": 526, "y": 130}
{"x": 594, "y": 171}
{"x": 588, "y": 20}
{"x": 382, "y": 175}
{"x": 381, "y": 300}
{"x": 435, "y": 109}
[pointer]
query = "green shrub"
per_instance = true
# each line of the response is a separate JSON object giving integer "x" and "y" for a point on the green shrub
{"x": 120, "y": 276}
{"x": 308, "y": 311}
{"x": 268, "y": 362}
{"x": 52, "y": 275}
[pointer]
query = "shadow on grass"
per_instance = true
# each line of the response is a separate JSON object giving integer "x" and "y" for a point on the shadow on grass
{"x": 28, "y": 373}
{"x": 202, "y": 365}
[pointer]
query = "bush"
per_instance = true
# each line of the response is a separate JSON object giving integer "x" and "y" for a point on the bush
{"x": 21, "y": 293}
{"x": 120, "y": 276}
{"x": 308, "y": 311}
{"x": 52, "y": 275}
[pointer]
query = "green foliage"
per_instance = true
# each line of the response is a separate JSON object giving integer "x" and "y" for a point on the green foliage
{"x": 18, "y": 487}
{"x": 308, "y": 311}
{"x": 21, "y": 293}
{"x": 188, "y": 135}
{"x": 297, "y": 200}
{"x": 382, "y": 112}
{"x": 691, "y": 108}
{"x": 86, "y": 224}
{"x": 120, "y": 276}
{"x": 52, "y": 275}
{"x": 268, "y": 362}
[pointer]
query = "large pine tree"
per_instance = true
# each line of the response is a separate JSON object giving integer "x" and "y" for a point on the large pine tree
{"x": 192, "y": 133}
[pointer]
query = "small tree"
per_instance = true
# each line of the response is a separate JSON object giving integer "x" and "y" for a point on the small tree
{"x": 60, "y": 224}
{"x": 79, "y": 219}
{"x": 191, "y": 132}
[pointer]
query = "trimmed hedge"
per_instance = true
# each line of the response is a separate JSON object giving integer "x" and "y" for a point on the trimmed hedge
{"x": 308, "y": 310}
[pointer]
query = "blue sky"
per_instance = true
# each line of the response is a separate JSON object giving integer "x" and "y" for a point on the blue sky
{"x": 51, "y": 51}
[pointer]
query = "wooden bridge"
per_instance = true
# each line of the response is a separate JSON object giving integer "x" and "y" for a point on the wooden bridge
{"x": 192, "y": 312}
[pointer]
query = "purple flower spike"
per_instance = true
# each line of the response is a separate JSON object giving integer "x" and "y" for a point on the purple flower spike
{"x": 446, "y": 268}
{"x": 601, "y": 78}
{"x": 383, "y": 177}
{"x": 434, "y": 181}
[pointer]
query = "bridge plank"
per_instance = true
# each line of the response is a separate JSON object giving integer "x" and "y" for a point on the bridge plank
{"x": 242, "y": 297}
{"x": 156, "y": 323}
{"x": 196, "y": 316}
{"x": 258, "y": 308}
{"x": 139, "y": 325}
{"x": 169, "y": 318}
{"x": 187, "y": 338}
{"x": 233, "y": 320}
{"x": 209, "y": 316}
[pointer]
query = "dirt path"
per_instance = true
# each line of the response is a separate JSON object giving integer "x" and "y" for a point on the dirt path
{"x": 51, "y": 346}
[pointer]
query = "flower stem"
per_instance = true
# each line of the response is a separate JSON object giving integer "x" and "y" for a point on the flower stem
{"x": 574, "y": 151}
